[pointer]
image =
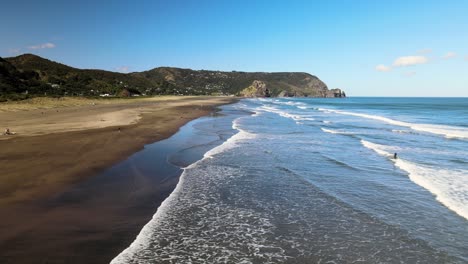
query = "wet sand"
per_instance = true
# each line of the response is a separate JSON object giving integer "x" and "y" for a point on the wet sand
{"x": 48, "y": 216}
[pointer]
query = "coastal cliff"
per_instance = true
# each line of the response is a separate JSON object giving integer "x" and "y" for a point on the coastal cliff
{"x": 29, "y": 75}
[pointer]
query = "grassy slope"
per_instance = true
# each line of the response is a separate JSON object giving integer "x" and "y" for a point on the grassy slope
{"x": 41, "y": 76}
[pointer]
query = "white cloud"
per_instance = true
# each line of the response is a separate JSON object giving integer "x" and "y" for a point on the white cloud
{"x": 42, "y": 46}
{"x": 449, "y": 55}
{"x": 383, "y": 68}
{"x": 124, "y": 69}
{"x": 409, "y": 74}
{"x": 425, "y": 51}
{"x": 410, "y": 60}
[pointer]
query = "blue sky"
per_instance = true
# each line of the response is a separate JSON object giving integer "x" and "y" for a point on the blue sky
{"x": 368, "y": 48}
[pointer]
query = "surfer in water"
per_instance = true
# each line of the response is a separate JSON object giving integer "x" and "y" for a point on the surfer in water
{"x": 395, "y": 156}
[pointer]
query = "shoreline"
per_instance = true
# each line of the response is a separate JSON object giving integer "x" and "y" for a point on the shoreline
{"x": 210, "y": 148}
{"x": 83, "y": 147}
{"x": 38, "y": 210}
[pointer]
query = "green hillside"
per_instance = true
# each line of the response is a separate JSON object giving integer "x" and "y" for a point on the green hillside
{"x": 31, "y": 75}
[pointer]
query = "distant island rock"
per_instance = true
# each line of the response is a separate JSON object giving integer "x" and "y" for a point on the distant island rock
{"x": 32, "y": 75}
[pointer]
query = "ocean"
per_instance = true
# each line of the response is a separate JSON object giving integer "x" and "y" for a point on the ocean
{"x": 309, "y": 180}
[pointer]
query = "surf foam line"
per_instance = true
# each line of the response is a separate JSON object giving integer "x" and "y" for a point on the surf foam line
{"x": 144, "y": 237}
{"x": 446, "y": 131}
{"x": 295, "y": 117}
{"x": 336, "y": 131}
{"x": 450, "y": 187}
{"x": 290, "y": 103}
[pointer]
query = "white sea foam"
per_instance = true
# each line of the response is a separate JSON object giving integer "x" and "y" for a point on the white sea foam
{"x": 144, "y": 237}
{"x": 306, "y": 118}
{"x": 446, "y": 131}
{"x": 380, "y": 149}
{"x": 400, "y": 131}
{"x": 336, "y": 131}
{"x": 450, "y": 187}
{"x": 231, "y": 142}
{"x": 295, "y": 117}
{"x": 282, "y": 113}
{"x": 290, "y": 103}
{"x": 330, "y": 131}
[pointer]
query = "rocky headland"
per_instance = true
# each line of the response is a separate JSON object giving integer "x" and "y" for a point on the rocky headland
{"x": 29, "y": 75}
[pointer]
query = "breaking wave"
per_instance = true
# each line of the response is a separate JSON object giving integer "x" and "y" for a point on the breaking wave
{"x": 449, "y": 186}
{"x": 446, "y": 131}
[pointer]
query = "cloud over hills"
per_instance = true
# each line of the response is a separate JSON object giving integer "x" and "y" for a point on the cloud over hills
{"x": 410, "y": 60}
{"x": 47, "y": 45}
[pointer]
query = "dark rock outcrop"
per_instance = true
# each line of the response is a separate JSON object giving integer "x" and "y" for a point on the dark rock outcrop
{"x": 256, "y": 89}
{"x": 335, "y": 93}
{"x": 284, "y": 94}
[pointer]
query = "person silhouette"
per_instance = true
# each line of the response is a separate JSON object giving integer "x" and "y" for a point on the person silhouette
{"x": 395, "y": 156}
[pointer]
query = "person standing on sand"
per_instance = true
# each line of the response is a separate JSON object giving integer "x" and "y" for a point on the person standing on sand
{"x": 8, "y": 132}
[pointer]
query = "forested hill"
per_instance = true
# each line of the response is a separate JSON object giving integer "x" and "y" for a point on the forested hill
{"x": 32, "y": 75}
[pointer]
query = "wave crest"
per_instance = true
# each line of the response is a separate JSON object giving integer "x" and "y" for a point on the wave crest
{"x": 446, "y": 131}
{"x": 449, "y": 186}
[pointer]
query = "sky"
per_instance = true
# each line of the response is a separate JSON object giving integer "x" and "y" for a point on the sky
{"x": 367, "y": 48}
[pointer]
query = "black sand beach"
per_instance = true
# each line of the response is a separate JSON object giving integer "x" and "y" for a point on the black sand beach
{"x": 94, "y": 219}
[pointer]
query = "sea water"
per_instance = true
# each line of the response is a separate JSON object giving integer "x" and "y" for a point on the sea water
{"x": 316, "y": 181}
